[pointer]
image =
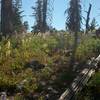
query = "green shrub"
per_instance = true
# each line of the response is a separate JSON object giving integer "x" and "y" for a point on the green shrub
{"x": 88, "y": 48}
{"x": 15, "y": 52}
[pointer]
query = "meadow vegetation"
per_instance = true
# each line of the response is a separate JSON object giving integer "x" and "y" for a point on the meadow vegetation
{"x": 19, "y": 57}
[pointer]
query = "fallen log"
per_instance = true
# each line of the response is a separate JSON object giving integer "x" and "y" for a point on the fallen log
{"x": 81, "y": 80}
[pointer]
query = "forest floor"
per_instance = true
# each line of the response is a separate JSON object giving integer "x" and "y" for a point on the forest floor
{"x": 40, "y": 66}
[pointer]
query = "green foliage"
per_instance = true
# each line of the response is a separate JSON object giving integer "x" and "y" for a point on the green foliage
{"x": 93, "y": 24}
{"x": 95, "y": 80}
{"x": 15, "y": 52}
{"x": 87, "y": 48}
{"x": 73, "y": 21}
{"x": 51, "y": 51}
{"x": 92, "y": 90}
{"x": 17, "y": 17}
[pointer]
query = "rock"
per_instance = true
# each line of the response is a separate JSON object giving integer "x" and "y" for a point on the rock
{"x": 43, "y": 83}
{"x": 3, "y": 96}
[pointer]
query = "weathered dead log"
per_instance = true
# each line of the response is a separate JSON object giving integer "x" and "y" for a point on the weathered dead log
{"x": 81, "y": 80}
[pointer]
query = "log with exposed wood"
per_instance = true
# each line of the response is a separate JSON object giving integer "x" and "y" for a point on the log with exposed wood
{"x": 81, "y": 80}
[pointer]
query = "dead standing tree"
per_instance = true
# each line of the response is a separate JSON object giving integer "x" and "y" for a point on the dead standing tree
{"x": 73, "y": 24}
{"x": 88, "y": 18}
{"x": 42, "y": 14}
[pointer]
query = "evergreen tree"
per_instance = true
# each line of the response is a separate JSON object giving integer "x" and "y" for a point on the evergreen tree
{"x": 41, "y": 15}
{"x": 26, "y": 26}
{"x": 73, "y": 21}
{"x": 10, "y": 17}
{"x": 93, "y": 24}
{"x": 17, "y": 18}
{"x": 73, "y": 24}
{"x": 38, "y": 16}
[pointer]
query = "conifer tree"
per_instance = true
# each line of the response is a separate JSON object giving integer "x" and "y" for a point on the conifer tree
{"x": 73, "y": 21}
{"x": 38, "y": 16}
{"x": 93, "y": 25}
{"x": 17, "y": 18}
{"x": 41, "y": 13}
{"x": 73, "y": 24}
{"x": 10, "y": 17}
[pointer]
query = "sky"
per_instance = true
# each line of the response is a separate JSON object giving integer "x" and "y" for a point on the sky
{"x": 60, "y": 6}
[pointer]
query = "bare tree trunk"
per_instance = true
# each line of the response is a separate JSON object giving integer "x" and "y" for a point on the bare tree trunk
{"x": 44, "y": 15}
{"x": 88, "y": 18}
{"x": 72, "y": 60}
{"x": 6, "y": 17}
{"x": 39, "y": 14}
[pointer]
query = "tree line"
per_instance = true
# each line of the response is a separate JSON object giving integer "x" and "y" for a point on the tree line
{"x": 11, "y": 17}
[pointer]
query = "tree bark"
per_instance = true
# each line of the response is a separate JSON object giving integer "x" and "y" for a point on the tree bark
{"x": 6, "y": 17}
{"x": 44, "y": 16}
{"x": 72, "y": 59}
